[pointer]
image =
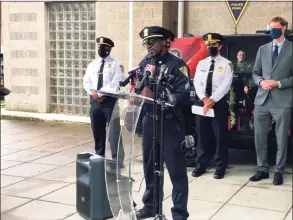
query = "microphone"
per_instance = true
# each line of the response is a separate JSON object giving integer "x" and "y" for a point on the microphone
{"x": 132, "y": 74}
{"x": 163, "y": 71}
{"x": 148, "y": 71}
{"x": 134, "y": 71}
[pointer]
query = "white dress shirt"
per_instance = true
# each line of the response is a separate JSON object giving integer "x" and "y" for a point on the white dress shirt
{"x": 221, "y": 81}
{"x": 280, "y": 45}
{"x": 112, "y": 74}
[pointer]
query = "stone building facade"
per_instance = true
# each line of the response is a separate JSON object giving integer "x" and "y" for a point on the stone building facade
{"x": 45, "y": 55}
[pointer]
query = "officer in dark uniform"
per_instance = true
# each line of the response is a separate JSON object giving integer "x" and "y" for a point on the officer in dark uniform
{"x": 212, "y": 82}
{"x": 157, "y": 41}
{"x": 104, "y": 72}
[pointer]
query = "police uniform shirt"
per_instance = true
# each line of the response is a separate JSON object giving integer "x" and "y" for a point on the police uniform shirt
{"x": 180, "y": 87}
{"x": 221, "y": 81}
{"x": 112, "y": 74}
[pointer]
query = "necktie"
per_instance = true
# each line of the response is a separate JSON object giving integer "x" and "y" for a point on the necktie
{"x": 210, "y": 79}
{"x": 275, "y": 54}
{"x": 100, "y": 77}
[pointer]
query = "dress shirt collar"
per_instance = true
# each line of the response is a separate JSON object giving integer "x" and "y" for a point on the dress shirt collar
{"x": 279, "y": 44}
{"x": 108, "y": 58}
{"x": 217, "y": 58}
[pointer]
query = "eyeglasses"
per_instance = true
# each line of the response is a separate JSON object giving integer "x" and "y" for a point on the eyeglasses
{"x": 150, "y": 42}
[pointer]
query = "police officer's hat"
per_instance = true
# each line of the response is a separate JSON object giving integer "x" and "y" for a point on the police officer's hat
{"x": 156, "y": 32}
{"x": 211, "y": 38}
{"x": 105, "y": 41}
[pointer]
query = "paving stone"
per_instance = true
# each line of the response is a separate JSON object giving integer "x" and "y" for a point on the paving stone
{"x": 26, "y": 155}
{"x": 232, "y": 212}
{"x": 276, "y": 200}
{"x": 28, "y": 169}
{"x": 66, "y": 195}
{"x": 62, "y": 174}
{"x": 6, "y": 164}
{"x": 212, "y": 191}
{"x": 10, "y": 202}
{"x": 9, "y": 180}
{"x": 40, "y": 210}
{"x": 32, "y": 188}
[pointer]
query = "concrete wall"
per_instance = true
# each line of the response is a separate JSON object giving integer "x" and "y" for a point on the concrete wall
{"x": 203, "y": 17}
{"x": 25, "y": 39}
{"x": 112, "y": 22}
{"x": 25, "y": 56}
{"x": 1, "y": 30}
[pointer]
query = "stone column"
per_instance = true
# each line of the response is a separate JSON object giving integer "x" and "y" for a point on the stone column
{"x": 25, "y": 56}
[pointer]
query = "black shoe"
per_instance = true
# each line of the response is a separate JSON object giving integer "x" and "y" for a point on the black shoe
{"x": 197, "y": 172}
{"x": 259, "y": 176}
{"x": 144, "y": 213}
{"x": 278, "y": 179}
{"x": 219, "y": 175}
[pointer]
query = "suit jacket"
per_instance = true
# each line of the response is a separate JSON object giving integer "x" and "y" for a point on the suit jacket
{"x": 281, "y": 71}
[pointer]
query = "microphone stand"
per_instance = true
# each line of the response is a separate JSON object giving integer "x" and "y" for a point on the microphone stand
{"x": 160, "y": 173}
{"x": 155, "y": 162}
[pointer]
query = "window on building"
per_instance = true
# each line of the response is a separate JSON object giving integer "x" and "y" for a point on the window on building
{"x": 72, "y": 47}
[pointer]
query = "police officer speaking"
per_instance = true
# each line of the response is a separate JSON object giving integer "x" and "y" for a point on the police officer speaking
{"x": 212, "y": 82}
{"x": 157, "y": 41}
{"x": 104, "y": 72}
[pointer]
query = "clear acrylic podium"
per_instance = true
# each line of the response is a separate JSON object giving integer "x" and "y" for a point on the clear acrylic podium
{"x": 119, "y": 170}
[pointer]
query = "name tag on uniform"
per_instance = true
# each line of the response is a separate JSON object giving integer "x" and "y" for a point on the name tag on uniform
{"x": 202, "y": 70}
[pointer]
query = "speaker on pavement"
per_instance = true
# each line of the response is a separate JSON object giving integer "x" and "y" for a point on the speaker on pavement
{"x": 91, "y": 196}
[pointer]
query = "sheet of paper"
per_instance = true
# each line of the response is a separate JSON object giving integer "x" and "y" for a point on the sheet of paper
{"x": 198, "y": 110}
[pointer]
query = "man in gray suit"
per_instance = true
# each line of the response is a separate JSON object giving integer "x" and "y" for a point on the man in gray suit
{"x": 274, "y": 74}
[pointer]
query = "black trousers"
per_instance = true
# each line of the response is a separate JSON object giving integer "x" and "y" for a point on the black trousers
{"x": 100, "y": 114}
{"x": 174, "y": 158}
{"x": 213, "y": 137}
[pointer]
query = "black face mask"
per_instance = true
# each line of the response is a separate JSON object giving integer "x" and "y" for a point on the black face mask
{"x": 103, "y": 52}
{"x": 212, "y": 51}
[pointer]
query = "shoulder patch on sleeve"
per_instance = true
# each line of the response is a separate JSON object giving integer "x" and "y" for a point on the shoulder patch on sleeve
{"x": 184, "y": 70}
{"x": 231, "y": 67}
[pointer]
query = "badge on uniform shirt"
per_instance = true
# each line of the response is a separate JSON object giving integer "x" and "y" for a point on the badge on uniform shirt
{"x": 109, "y": 65}
{"x": 209, "y": 37}
{"x": 145, "y": 32}
{"x": 220, "y": 69}
{"x": 184, "y": 70}
{"x": 231, "y": 66}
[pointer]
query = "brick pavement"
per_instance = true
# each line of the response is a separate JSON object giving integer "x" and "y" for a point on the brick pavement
{"x": 38, "y": 179}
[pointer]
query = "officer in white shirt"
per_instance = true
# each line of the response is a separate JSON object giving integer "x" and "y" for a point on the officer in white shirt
{"x": 104, "y": 73}
{"x": 213, "y": 78}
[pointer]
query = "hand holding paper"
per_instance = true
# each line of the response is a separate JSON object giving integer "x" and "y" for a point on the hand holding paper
{"x": 198, "y": 110}
{"x": 205, "y": 110}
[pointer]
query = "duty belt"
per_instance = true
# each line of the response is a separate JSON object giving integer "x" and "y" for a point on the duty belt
{"x": 166, "y": 115}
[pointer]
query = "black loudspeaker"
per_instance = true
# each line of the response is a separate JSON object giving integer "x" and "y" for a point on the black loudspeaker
{"x": 91, "y": 196}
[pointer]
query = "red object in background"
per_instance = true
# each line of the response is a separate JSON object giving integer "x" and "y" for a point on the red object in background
{"x": 191, "y": 50}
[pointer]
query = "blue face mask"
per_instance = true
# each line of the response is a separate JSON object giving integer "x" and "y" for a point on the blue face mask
{"x": 275, "y": 33}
